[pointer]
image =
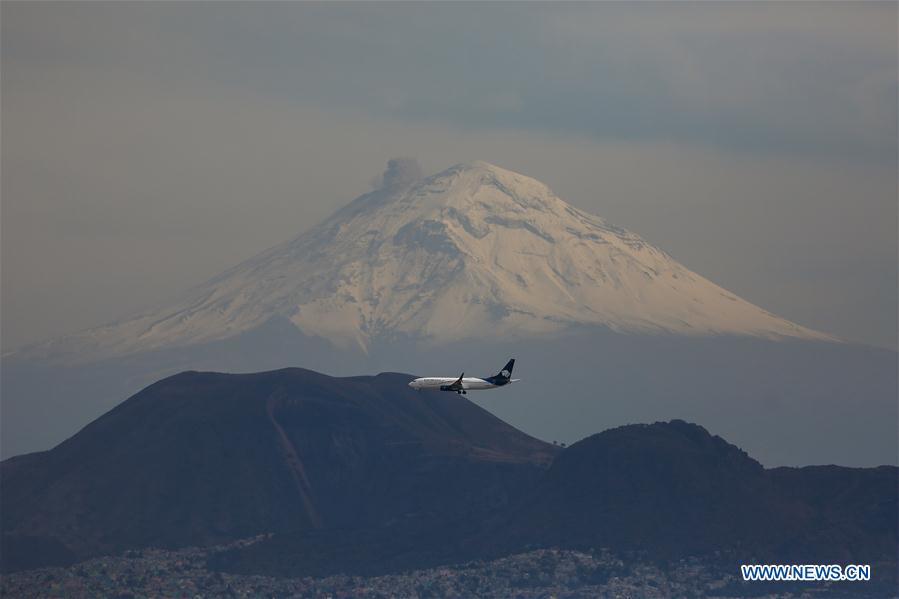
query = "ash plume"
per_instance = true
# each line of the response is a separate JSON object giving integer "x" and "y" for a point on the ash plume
{"x": 401, "y": 173}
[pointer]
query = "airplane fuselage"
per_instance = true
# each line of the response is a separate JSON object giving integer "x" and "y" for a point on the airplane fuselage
{"x": 463, "y": 384}
{"x": 469, "y": 383}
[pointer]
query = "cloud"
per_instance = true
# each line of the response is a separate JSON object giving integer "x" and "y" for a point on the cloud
{"x": 818, "y": 78}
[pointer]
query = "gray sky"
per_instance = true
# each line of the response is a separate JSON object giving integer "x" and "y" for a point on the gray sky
{"x": 147, "y": 146}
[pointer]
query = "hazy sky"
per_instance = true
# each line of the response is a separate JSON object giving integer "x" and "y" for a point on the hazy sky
{"x": 147, "y": 146}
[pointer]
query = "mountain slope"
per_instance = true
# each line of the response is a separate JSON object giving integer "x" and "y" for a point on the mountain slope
{"x": 362, "y": 475}
{"x": 441, "y": 259}
{"x": 666, "y": 491}
{"x": 201, "y": 458}
{"x": 672, "y": 489}
{"x": 668, "y": 487}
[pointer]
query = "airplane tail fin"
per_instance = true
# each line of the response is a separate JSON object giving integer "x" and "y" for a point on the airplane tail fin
{"x": 504, "y": 375}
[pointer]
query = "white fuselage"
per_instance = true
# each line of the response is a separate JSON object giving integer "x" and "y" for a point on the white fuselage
{"x": 469, "y": 383}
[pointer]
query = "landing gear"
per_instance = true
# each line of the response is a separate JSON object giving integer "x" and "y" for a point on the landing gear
{"x": 462, "y": 392}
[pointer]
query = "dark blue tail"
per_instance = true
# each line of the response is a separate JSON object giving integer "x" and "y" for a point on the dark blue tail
{"x": 503, "y": 376}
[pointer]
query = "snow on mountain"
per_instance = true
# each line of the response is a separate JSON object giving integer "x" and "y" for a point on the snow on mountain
{"x": 473, "y": 249}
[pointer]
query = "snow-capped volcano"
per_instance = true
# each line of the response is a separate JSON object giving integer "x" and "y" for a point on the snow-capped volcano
{"x": 473, "y": 249}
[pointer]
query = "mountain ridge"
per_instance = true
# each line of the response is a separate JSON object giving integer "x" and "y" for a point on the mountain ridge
{"x": 200, "y": 458}
{"x": 362, "y": 475}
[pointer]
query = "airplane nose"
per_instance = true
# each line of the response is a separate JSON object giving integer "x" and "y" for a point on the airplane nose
{"x": 412, "y": 384}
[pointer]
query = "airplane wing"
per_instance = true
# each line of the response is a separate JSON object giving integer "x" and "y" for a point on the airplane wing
{"x": 458, "y": 384}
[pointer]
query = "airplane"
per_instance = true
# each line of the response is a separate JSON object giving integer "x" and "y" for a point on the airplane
{"x": 462, "y": 385}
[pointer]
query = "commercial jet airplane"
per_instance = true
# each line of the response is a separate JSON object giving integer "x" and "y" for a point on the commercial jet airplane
{"x": 462, "y": 385}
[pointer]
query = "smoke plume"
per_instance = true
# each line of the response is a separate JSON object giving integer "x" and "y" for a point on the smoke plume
{"x": 401, "y": 173}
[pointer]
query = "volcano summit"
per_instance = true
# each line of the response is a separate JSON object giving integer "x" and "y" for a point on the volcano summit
{"x": 473, "y": 248}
